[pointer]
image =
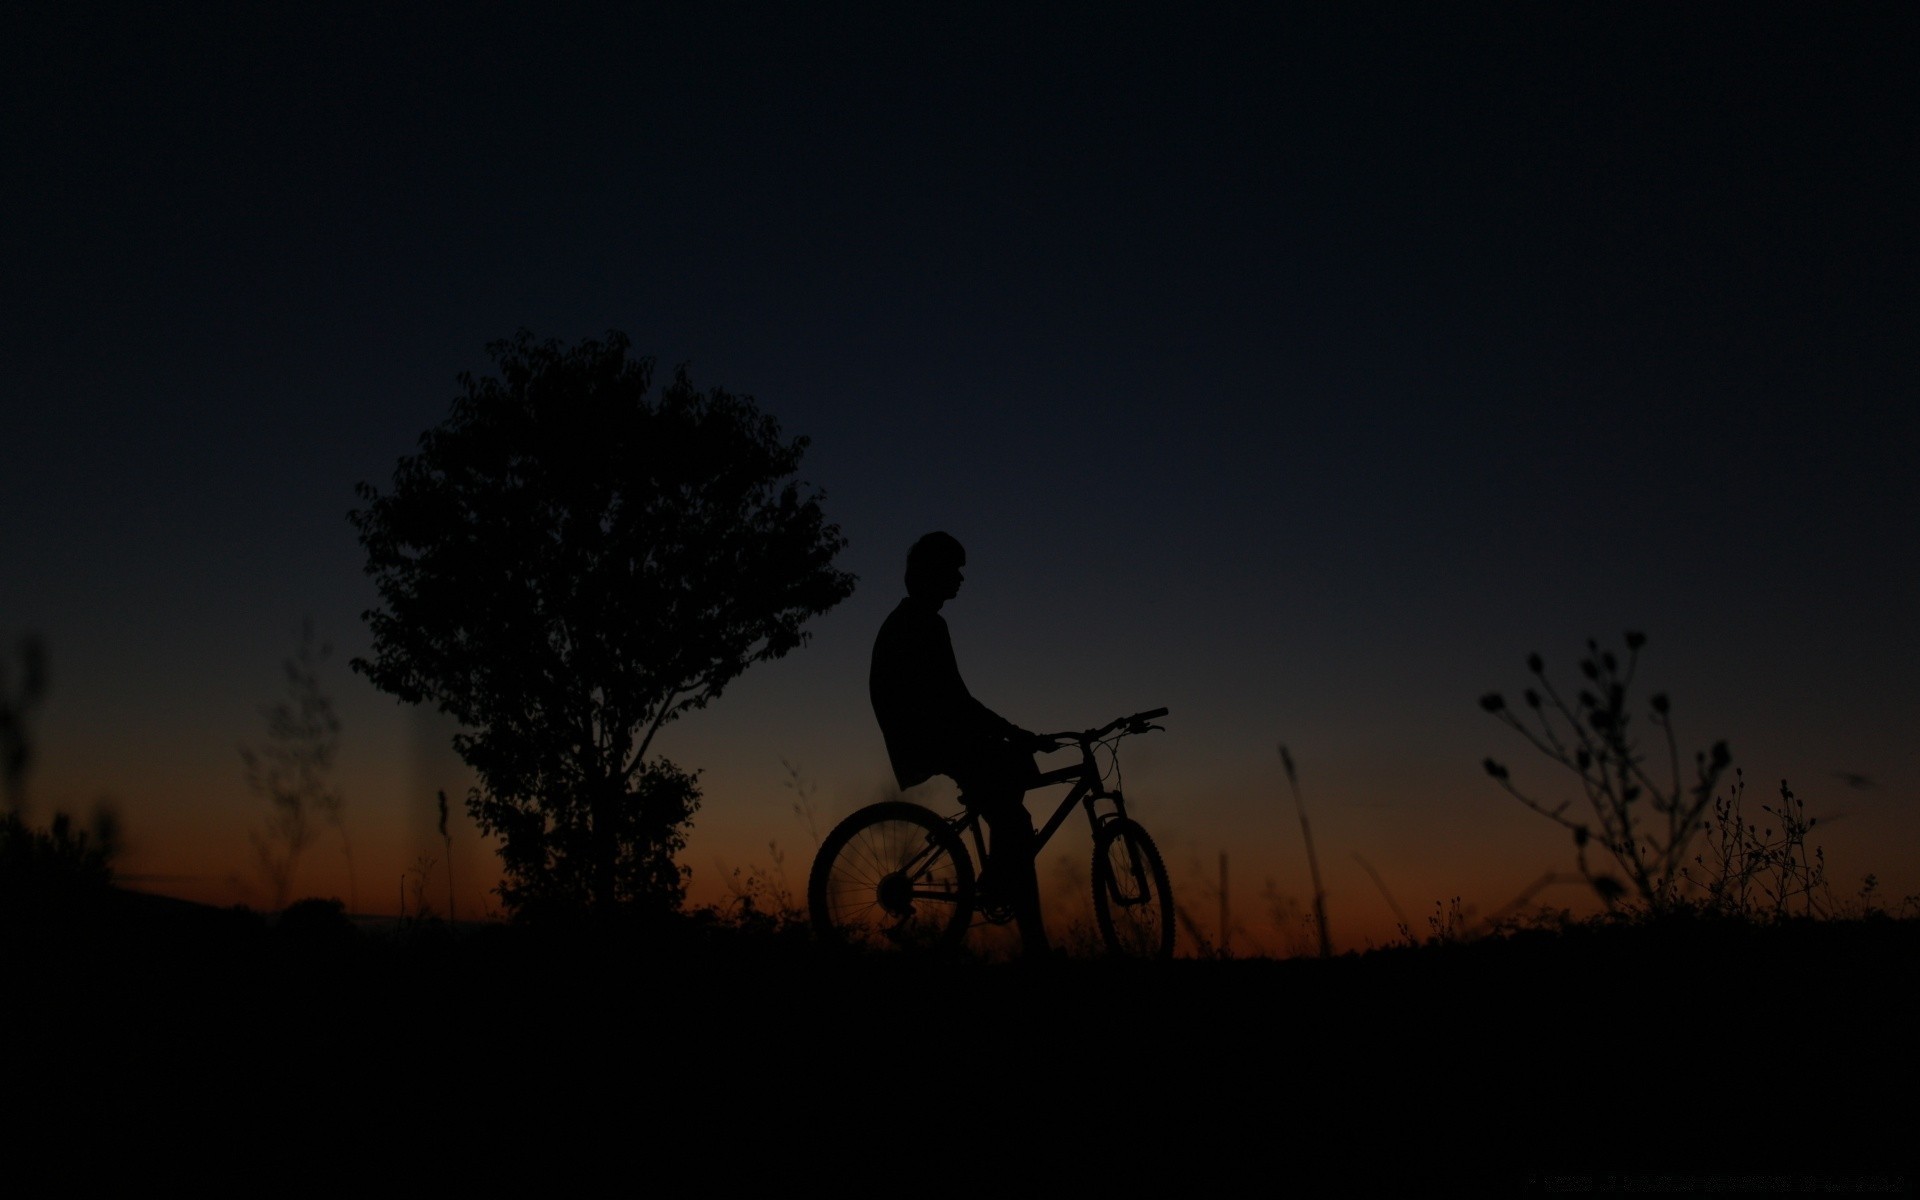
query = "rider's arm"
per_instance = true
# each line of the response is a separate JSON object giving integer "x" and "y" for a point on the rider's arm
{"x": 995, "y": 725}
{"x": 968, "y": 712}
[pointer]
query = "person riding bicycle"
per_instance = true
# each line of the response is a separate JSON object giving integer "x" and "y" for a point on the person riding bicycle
{"x": 934, "y": 726}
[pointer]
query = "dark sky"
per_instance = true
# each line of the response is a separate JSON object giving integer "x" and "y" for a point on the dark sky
{"x": 1301, "y": 370}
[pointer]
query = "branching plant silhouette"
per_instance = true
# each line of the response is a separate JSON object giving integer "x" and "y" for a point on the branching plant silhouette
{"x": 766, "y": 895}
{"x": 1205, "y": 940}
{"x": 1290, "y": 920}
{"x": 569, "y": 563}
{"x": 1757, "y": 869}
{"x": 1645, "y": 821}
{"x": 414, "y": 883}
{"x": 292, "y": 770}
{"x": 805, "y": 800}
{"x": 764, "y": 898}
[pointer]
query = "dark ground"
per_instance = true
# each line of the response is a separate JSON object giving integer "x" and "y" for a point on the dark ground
{"x": 157, "y": 1039}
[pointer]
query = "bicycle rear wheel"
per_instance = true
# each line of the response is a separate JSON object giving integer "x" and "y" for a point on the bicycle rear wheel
{"x": 1131, "y": 899}
{"x": 893, "y": 876}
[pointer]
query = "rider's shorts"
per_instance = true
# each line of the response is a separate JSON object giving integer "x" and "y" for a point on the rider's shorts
{"x": 993, "y": 773}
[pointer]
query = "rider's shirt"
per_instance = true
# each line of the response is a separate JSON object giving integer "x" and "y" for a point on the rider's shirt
{"x": 926, "y": 714}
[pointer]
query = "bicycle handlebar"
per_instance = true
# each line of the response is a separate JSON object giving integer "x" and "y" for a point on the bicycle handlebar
{"x": 1139, "y": 722}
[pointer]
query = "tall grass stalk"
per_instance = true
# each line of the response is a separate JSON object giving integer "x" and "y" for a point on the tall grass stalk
{"x": 1406, "y": 926}
{"x": 447, "y": 839}
{"x": 1313, "y": 860}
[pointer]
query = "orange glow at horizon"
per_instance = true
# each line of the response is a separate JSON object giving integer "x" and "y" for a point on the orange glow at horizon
{"x": 1398, "y": 836}
{"x": 1382, "y": 882}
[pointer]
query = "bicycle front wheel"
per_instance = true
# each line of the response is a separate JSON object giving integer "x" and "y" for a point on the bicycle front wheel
{"x": 893, "y": 876}
{"x": 1131, "y": 899}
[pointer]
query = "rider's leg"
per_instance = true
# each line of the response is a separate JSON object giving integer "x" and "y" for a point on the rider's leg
{"x": 996, "y": 780}
{"x": 1011, "y": 846}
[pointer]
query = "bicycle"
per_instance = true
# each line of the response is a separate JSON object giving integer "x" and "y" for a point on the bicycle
{"x": 898, "y": 876}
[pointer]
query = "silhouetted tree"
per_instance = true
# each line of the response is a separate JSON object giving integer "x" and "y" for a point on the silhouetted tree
{"x": 569, "y": 563}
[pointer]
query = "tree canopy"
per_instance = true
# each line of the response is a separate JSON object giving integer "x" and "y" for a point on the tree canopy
{"x": 569, "y": 562}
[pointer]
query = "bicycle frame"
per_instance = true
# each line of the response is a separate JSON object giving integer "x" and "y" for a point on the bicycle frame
{"x": 1087, "y": 792}
{"x": 898, "y": 873}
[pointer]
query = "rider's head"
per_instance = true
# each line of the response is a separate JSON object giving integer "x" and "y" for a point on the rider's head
{"x": 933, "y": 567}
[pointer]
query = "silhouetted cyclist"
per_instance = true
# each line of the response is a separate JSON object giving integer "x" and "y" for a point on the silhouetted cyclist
{"x": 934, "y": 726}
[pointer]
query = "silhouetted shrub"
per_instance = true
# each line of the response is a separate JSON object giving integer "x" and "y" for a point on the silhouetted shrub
{"x": 59, "y": 855}
{"x": 53, "y": 876}
{"x": 1757, "y": 869}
